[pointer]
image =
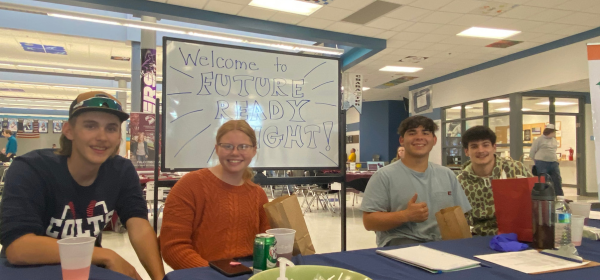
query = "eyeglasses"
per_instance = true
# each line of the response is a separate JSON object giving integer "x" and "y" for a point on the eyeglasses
{"x": 99, "y": 102}
{"x": 241, "y": 147}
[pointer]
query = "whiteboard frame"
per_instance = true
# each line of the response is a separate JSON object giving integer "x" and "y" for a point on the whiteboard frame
{"x": 341, "y": 115}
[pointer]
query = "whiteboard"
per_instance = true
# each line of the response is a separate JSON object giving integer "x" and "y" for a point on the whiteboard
{"x": 291, "y": 101}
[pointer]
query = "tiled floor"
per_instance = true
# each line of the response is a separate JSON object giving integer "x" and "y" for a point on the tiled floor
{"x": 325, "y": 230}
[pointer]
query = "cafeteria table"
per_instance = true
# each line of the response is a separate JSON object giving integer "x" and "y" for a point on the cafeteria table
{"x": 378, "y": 267}
{"x": 51, "y": 272}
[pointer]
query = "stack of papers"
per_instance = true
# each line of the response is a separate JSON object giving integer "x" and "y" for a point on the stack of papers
{"x": 429, "y": 259}
{"x": 530, "y": 261}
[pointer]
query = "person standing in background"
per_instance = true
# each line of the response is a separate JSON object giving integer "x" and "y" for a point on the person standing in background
{"x": 53, "y": 146}
{"x": 352, "y": 156}
{"x": 543, "y": 153}
{"x": 399, "y": 155}
{"x": 11, "y": 145}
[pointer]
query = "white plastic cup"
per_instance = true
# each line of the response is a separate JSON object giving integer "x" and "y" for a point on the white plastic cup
{"x": 581, "y": 209}
{"x": 285, "y": 241}
{"x": 76, "y": 257}
{"x": 576, "y": 229}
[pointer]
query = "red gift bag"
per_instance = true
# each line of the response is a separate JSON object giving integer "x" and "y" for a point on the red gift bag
{"x": 512, "y": 199}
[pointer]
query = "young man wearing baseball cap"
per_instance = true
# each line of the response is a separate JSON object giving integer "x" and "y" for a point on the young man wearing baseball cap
{"x": 75, "y": 190}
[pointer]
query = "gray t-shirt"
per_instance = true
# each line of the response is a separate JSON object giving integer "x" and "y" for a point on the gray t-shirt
{"x": 391, "y": 188}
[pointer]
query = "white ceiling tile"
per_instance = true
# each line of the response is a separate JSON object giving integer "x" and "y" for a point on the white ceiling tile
{"x": 459, "y": 49}
{"x": 223, "y": 7}
{"x": 423, "y": 27}
{"x": 525, "y": 36}
{"x": 331, "y": 13}
{"x": 408, "y": 36}
{"x": 450, "y": 29}
{"x": 546, "y": 3}
{"x": 386, "y": 35}
{"x": 367, "y": 31}
{"x": 241, "y": 2}
{"x": 457, "y": 40}
{"x": 426, "y": 53}
{"x": 354, "y": 5}
{"x": 471, "y": 20}
{"x": 462, "y": 6}
{"x": 586, "y": 19}
{"x": 441, "y": 17}
{"x": 316, "y": 23}
{"x": 401, "y": 2}
{"x": 516, "y": 1}
{"x": 387, "y": 51}
{"x": 407, "y": 13}
{"x": 527, "y": 25}
{"x": 526, "y": 45}
{"x": 404, "y": 52}
{"x": 440, "y": 47}
{"x": 430, "y": 4}
{"x": 577, "y": 5}
{"x": 396, "y": 43}
{"x": 186, "y": 3}
{"x": 550, "y": 27}
{"x": 433, "y": 38}
{"x": 343, "y": 27}
{"x": 403, "y": 26}
{"x": 417, "y": 45}
{"x": 501, "y": 23}
{"x": 522, "y": 12}
{"x": 255, "y": 12}
{"x": 160, "y": 1}
{"x": 572, "y": 30}
{"x": 385, "y": 23}
{"x": 546, "y": 38}
{"x": 287, "y": 18}
{"x": 550, "y": 15}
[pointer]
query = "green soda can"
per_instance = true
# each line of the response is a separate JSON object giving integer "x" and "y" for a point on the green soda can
{"x": 265, "y": 255}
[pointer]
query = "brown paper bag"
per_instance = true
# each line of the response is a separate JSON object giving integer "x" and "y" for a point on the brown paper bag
{"x": 285, "y": 212}
{"x": 452, "y": 223}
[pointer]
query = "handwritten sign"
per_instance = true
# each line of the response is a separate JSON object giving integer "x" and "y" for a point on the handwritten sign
{"x": 291, "y": 101}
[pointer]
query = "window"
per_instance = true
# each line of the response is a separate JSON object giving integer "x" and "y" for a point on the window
{"x": 472, "y": 123}
{"x": 453, "y": 113}
{"x": 501, "y": 126}
{"x": 498, "y": 106}
{"x": 536, "y": 104}
{"x": 566, "y": 105}
{"x": 474, "y": 110}
{"x": 533, "y": 127}
{"x": 453, "y": 129}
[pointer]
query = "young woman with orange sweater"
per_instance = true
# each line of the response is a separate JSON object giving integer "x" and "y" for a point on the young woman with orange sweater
{"x": 215, "y": 213}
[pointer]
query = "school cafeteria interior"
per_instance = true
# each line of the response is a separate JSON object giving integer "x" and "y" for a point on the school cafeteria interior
{"x": 514, "y": 66}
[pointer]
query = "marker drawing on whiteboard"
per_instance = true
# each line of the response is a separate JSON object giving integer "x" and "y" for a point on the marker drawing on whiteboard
{"x": 327, "y": 157}
{"x": 314, "y": 69}
{"x": 328, "y": 127}
{"x": 191, "y": 140}
{"x": 312, "y": 129}
{"x": 297, "y": 106}
{"x": 211, "y": 155}
{"x": 187, "y": 92}
{"x": 325, "y": 104}
{"x": 185, "y": 115}
{"x": 322, "y": 84}
{"x": 294, "y": 135}
{"x": 181, "y": 72}
{"x": 189, "y": 56}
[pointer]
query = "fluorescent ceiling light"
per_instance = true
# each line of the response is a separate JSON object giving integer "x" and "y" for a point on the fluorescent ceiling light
{"x": 215, "y": 37}
{"x": 482, "y": 32}
{"x": 41, "y": 67}
{"x": 6, "y": 64}
{"x": 154, "y": 28}
{"x": 499, "y": 101}
{"x": 288, "y": 6}
{"x": 506, "y": 109}
{"x": 366, "y": 88}
{"x": 402, "y": 69}
{"x": 458, "y": 107}
{"x": 85, "y": 19}
{"x": 557, "y": 103}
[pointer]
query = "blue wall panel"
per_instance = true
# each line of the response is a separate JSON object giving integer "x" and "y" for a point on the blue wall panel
{"x": 397, "y": 114}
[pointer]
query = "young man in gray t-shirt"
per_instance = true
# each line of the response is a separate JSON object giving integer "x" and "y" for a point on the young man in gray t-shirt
{"x": 402, "y": 198}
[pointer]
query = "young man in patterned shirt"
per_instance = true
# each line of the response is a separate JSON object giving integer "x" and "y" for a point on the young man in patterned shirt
{"x": 479, "y": 143}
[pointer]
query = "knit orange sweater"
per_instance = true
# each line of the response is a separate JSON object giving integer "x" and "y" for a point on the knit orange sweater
{"x": 206, "y": 219}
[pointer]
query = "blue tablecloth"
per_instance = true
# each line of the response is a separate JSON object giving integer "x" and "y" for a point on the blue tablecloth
{"x": 377, "y": 267}
{"x": 51, "y": 272}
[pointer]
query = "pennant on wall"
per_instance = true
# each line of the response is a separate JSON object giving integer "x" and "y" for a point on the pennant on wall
{"x": 353, "y": 91}
{"x": 421, "y": 101}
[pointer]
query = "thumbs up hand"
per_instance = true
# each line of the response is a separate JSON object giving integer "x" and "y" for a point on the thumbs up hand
{"x": 416, "y": 212}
